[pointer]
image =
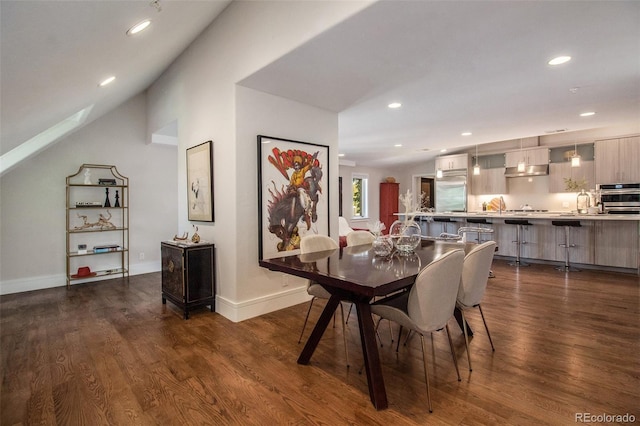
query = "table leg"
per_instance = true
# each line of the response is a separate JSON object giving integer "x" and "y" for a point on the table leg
{"x": 377, "y": 392}
{"x": 318, "y": 330}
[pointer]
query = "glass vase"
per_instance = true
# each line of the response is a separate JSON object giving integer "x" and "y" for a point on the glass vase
{"x": 406, "y": 235}
{"x": 382, "y": 245}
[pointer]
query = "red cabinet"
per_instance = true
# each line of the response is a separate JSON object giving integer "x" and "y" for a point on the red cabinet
{"x": 389, "y": 193}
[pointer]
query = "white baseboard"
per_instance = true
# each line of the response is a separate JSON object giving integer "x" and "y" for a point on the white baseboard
{"x": 240, "y": 311}
{"x": 59, "y": 280}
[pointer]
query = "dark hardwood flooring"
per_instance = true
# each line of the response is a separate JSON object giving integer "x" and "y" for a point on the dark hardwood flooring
{"x": 110, "y": 353}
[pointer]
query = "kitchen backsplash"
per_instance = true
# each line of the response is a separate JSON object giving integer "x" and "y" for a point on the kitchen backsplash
{"x": 528, "y": 190}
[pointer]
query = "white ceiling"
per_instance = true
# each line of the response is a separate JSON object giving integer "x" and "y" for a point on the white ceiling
{"x": 54, "y": 54}
{"x": 456, "y": 66}
{"x": 459, "y": 66}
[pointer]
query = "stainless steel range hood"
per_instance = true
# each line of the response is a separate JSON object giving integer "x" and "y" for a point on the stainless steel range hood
{"x": 540, "y": 170}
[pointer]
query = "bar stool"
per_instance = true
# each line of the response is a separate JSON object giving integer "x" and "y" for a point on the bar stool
{"x": 519, "y": 224}
{"x": 567, "y": 225}
{"x": 480, "y": 230}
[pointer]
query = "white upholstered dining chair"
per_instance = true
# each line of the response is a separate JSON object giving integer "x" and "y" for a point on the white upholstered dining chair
{"x": 360, "y": 237}
{"x": 429, "y": 305}
{"x": 473, "y": 284}
{"x": 315, "y": 243}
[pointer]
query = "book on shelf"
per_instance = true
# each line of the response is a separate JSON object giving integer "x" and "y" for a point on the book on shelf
{"x": 106, "y": 181}
{"x": 107, "y": 248}
{"x": 88, "y": 204}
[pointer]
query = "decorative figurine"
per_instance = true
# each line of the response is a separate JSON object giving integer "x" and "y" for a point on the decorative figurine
{"x": 184, "y": 237}
{"x": 196, "y": 237}
{"x": 107, "y": 203}
{"x": 117, "y": 204}
{"x": 87, "y": 177}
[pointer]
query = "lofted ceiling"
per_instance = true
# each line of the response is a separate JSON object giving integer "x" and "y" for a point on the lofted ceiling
{"x": 55, "y": 53}
{"x": 456, "y": 66}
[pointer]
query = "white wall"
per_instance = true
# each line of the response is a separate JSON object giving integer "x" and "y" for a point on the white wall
{"x": 199, "y": 91}
{"x": 32, "y": 219}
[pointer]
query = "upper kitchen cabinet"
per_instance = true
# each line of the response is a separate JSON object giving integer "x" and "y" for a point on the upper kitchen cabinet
{"x": 453, "y": 162}
{"x": 530, "y": 156}
{"x": 491, "y": 179}
{"x": 617, "y": 160}
{"x": 560, "y": 168}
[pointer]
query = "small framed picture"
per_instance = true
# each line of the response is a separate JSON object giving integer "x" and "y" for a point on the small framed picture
{"x": 82, "y": 249}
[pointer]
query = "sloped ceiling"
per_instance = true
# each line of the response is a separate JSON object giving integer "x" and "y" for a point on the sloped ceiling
{"x": 55, "y": 53}
{"x": 478, "y": 66}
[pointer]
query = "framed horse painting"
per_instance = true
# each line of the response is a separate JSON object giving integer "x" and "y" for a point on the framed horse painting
{"x": 293, "y": 194}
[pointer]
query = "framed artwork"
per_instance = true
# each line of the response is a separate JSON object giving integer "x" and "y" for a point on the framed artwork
{"x": 200, "y": 182}
{"x": 293, "y": 194}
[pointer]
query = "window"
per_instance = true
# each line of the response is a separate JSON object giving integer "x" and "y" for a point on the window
{"x": 359, "y": 186}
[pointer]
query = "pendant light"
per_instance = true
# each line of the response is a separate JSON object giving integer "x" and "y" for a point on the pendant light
{"x": 476, "y": 168}
{"x": 575, "y": 158}
{"x": 521, "y": 164}
{"x": 439, "y": 173}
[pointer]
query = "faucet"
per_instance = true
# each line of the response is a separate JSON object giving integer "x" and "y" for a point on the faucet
{"x": 502, "y": 203}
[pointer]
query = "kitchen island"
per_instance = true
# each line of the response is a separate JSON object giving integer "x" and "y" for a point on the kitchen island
{"x": 603, "y": 241}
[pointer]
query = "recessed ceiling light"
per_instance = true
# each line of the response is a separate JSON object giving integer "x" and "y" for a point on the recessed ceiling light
{"x": 443, "y": 150}
{"x": 107, "y": 81}
{"x": 587, "y": 114}
{"x": 340, "y": 155}
{"x": 138, "y": 27}
{"x": 559, "y": 60}
{"x": 394, "y": 105}
{"x": 466, "y": 134}
{"x": 398, "y": 145}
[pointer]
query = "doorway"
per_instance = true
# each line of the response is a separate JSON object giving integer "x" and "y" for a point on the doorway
{"x": 424, "y": 184}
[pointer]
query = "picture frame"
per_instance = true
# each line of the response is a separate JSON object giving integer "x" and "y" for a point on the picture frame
{"x": 293, "y": 194}
{"x": 200, "y": 182}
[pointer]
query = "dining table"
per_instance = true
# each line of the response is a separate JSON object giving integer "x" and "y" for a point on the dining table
{"x": 356, "y": 274}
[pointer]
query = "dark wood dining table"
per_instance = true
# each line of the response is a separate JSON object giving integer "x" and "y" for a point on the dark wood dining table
{"x": 355, "y": 274}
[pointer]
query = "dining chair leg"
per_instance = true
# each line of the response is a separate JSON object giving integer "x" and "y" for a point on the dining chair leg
{"x": 426, "y": 371}
{"x": 453, "y": 352}
{"x": 466, "y": 338}
{"x": 399, "y": 334}
{"x": 306, "y": 319}
{"x": 348, "y": 314}
{"x": 486, "y": 328}
{"x": 344, "y": 335}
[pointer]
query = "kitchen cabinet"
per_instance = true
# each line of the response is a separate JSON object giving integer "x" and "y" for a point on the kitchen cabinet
{"x": 389, "y": 193}
{"x": 188, "y": 275}
{"x": 530, "y": 156}
{"x": 539, "y": 238}
{"x": 489, "y": 181}
{"x": 617, "y": 243}
{"x": 453, "y": 162}
{"x": 617, "y": 160}
{"x": 97, "y": 223}
{"x": 559, "y": 171}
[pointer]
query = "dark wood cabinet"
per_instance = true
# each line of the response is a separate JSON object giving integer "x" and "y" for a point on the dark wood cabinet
{"x": 389, "y": 193}
{"x": 188, "y": 275}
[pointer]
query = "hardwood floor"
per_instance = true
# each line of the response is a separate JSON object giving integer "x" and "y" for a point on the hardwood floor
{"x": 111, "y": 353}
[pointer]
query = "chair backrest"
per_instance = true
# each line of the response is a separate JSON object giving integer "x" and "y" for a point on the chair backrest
{"x": 432, "y": 298}
{"x": 343, "y": 227}
{"x": 311, "y": 243}
{"x": 358, "y": 238}
{"x": 475, "y": 274}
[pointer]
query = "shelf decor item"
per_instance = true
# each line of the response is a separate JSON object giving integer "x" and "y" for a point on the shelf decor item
{"x": 200, "y": 182}
{"x": 293, "y": 194}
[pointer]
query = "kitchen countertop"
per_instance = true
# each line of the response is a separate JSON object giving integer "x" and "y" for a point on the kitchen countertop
{"x": 533, "y": 215}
